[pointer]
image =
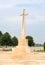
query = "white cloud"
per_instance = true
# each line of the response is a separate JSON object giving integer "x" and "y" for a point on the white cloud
{"x": 12, "y": 3}
{"x": 5, "y": 6}
{"x": 16, "y": 2}
{"x": 28, "y": 1}
{"x": 34, "y": 15}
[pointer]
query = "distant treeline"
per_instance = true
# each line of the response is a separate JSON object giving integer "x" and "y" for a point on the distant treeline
{"x": 38, "y": 45}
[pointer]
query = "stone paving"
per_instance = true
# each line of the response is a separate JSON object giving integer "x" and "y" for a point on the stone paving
{"x": 36, "y": 58}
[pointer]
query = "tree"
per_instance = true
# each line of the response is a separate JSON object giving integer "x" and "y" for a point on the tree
{"x": 30, "y": 41}
{"x": 6, "y": 40}
{"x": 0, "y": 37}
{"x": 44, "y": 46}
{"x": 1, "y": 34}
{"x": 14, "y": 41}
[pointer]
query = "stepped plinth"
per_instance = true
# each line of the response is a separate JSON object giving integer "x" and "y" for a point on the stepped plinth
{"x": 22, "y": 51}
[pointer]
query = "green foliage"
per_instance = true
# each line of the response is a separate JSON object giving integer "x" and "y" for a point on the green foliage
{"x": 0, "y": 37}
{"x": 44, "y": 46}
{"x": 14, "y": 41}
{"x": 30, "y": 40}
{"x": 6, "y": 39}
{"x": 1, "y": 34}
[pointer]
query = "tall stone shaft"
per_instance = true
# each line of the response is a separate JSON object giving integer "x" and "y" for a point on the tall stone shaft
{"x": 23, "y": 41}
{"x": 23, "y": 23}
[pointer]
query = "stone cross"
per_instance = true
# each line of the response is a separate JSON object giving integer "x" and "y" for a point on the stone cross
{"x": 23, "y": 23}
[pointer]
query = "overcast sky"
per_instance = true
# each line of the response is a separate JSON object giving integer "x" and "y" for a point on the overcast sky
{"x": 10, "y": 19}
